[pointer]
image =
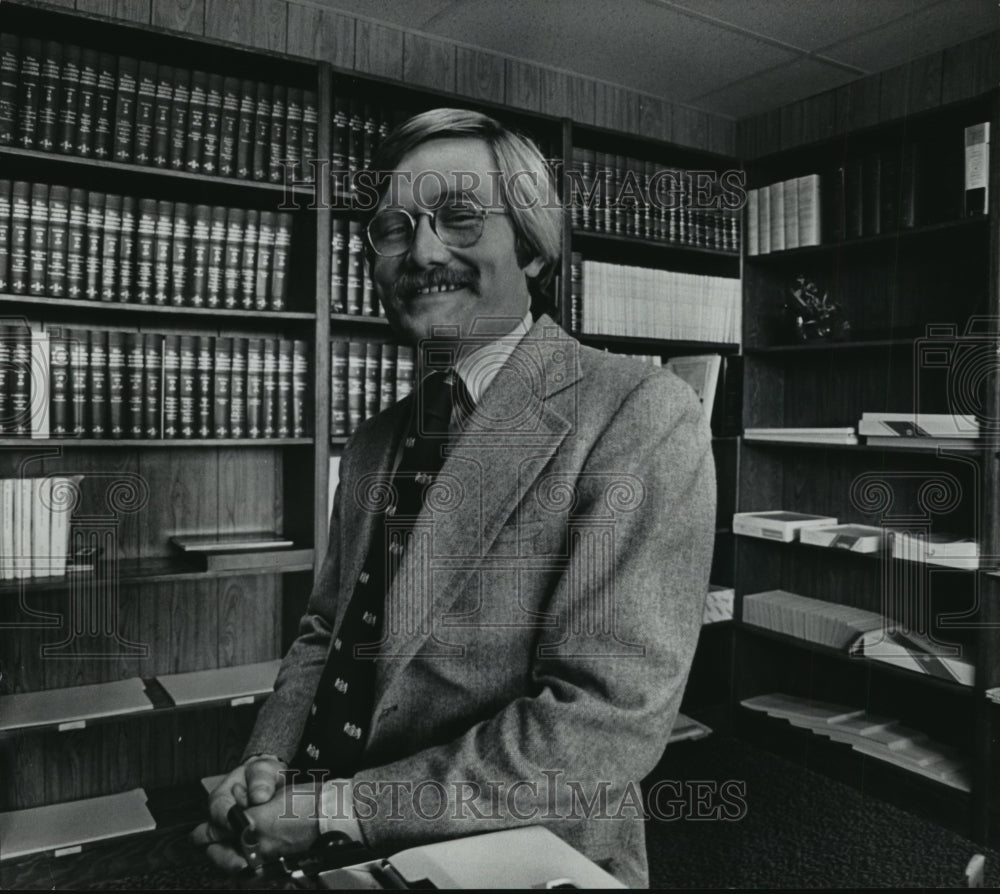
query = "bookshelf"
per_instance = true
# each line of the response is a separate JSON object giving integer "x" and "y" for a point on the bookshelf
{"x": 917, "y": 278}
{"x": 158, "y": 615}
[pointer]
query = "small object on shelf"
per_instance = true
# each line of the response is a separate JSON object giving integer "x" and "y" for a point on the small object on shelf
{"x": 777, "y": 524}
{"x": 810, "y": 314}
{"x": 805, "y": 435}
{"x": 718, "y": 604}
{"x": 687, "y": 728}
{"x": 949, "y": 550}
{"x": 855, "y": 538}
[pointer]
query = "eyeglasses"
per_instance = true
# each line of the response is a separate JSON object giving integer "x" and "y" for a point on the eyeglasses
{"x": 457, "y": 225}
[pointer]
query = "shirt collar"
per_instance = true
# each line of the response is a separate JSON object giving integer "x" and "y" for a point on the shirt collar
{"x": 478, "y": 367}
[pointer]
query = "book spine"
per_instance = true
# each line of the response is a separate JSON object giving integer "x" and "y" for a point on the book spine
{"x": 38, "y": 238}
{"x": 55, "y": 275}
{"x": 790, "y": 192}
{"x": 95, "y": 245}
{"x": 405, "y": 369}
{"x": 308, "y": 152}
{"x": 216, "y": 257}
{"x": 355, "y": 141}
{"x": 279, "y": 99}
{"x": 293, "y": 134}
{"x": 20, "y": 227}
{"x": 338, "y": 388}
{"x": 19, "y": 381}
{"x": 243, "y": 164}
{"x": 29, "y": 85}
{"x": 283, "y": 414}
{"x": 300, "y": 388}
{"x": 145, "y": 114}
{"x": 220, "y": 377}
{"x": 134, "y": 403}
{"x": 338, "y": 146}
{"x": 96, "y": 424}
{"x": 126, "y": 251}
{"x": 152, "y": 379}
{"x": 199, "y": 255}
{"x": 39, "y": 382}
{"x": 212, "y": 126}
{"x": 269, "y": 390}
{"x": 109, "y": 252}
{"x": 265, "y": 253}
{"x": 197, "y": 105}
{"x": 238, "y": 390}
{"x": 234, "y": 247}
{"x": 6, "y": 382}
{"x": 810, "y": 213}
{"x": 387, "y": 377}
{"x": 86, "y": 103}
{"x": 355, "y": 385}
{"x": 279, "y": 260}
{"x": 179, "y": 118}
{"x": 355, "y": 252}
{"x": 187, "y": 392}
{"x": 47, "y": 133}
{"x": 206, "y": 393}
{"x": 229, "y": 127}
{"x": 171, "y": 386}
{"x": 160, "y": 149}
{"x": 59, "y": 421}
{"x": 179, "y": 254}
{"x": 162, "y": 252}
{"x": 125, "y": 108}
{"x": 10, "y": 64}
{"x": 76, "y": 241}
{"x": 338, "y": 255}
{"x": 977, "y": 169}
{"x": 116, "y": 384}
{"x": 261, "y": 160}
{"x": 255, "y": 386}
{"x": 79, "y": 369}
{"x": 373, "y": 368}
{"x": 145, "y": 251}
{"x": 5, "y": 214}
{"x": 248, "y": 259}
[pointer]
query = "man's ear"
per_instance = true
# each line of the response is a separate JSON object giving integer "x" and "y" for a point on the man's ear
{"x": 533, "y": 267}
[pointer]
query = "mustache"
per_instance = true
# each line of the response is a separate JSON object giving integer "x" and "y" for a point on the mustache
{"x": 409, "y": 284}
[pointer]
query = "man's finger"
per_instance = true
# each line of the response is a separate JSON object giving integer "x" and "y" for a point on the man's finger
{"x": 207, "y": 833}
{"x": 263, "y": 778}
{"x": 226, "y": 858}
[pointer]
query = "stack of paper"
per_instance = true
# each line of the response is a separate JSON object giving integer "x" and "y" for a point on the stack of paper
{"x": 803, "y": 435}
{"x": 777, "y": 524}
{"x": 936, "y": 549}
{"x": 855, "y": 538}
{"x": 814, "y": 620}
{"x": 919, "y": 429}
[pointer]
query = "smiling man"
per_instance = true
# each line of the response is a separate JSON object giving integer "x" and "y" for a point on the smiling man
{"x": 502, "y": 629}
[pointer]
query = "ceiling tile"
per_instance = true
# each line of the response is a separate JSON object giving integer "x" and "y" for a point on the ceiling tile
{"x": 806, "y": 26}
{"x": 942, "y": 25}
{"x": 768, "y": 90}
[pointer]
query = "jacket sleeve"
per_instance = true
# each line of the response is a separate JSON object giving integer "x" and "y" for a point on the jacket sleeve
{"x": 597, "y": 718}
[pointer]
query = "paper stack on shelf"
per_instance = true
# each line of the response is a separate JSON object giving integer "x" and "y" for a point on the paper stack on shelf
{"x": 915, "y": 652}
{"x": 880, "y": 737}
{"x": 855, "y": 538}
{"x": 804, "y": 435}
{"x": 777, "y": 524}
{"x": 919, "y": 430}
{"x": 949, "y": 550}
{"x": 814, "y": 620}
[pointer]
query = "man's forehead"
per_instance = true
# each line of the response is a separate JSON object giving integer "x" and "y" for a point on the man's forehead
{"x": 445, "y": 168}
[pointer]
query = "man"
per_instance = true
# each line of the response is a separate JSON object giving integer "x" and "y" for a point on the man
{"x": 541, "y": 606}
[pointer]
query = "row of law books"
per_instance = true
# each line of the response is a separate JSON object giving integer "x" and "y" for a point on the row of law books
{"x": 60, "y": 97}
{"x": 880, "y": 737}
{"x": 351, "y": 289}
{"x": 34, "y": 525}
{"x": 858, "y": 631}
{"x": 912, "y": 545}
{"x": 630, "y": 197}
{"x": 65, "y": 382}
{"x": 62, "y": 242}
{"x": 366, "y": 377}
{"x": 784, "y": 215}
{"x": 615, "y": 299}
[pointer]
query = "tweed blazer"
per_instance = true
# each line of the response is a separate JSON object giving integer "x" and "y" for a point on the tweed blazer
{"x": 539, "y": 634}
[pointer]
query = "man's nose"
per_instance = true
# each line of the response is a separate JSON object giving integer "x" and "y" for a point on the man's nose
{"x": 426, "y": 250}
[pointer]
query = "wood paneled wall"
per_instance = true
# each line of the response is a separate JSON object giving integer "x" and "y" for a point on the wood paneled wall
{"x": 415, "y": 59}
{"x": 960, "y": 72}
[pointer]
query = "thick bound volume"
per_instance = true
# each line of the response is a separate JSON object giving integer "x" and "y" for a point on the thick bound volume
{"x": 179, "y": 254}
{"x": 20, "y": 224}
{"x": 145, "y": 115}
{"x": 145, "y": 244}
{"x": 355, "y": 384}
{"x": 104, "y": 113}
{"x": 353, "y": 265}
{"x": 248, "y": 259}
{"x": 125, "y": 107}
{"x": 293, "y": 134}
{"x": 5, "y": 199}
{"x": 338, "y": 388}
{"x": 86, "y": 103}
{"x": 162, "y": 252}
{"x": 95, "y": 245}
{"x": 205, "y": 390}
{"x": 283, "y": 408}
{"x": 28, "y": 89}
{"x": 245, "y": 129}
{"x": 109, "y": 251}
{"x": 196, "y": 121}
{"x": 278, "y": 155}
{"x": 199, "y": 255}
{"x": 300, "y": 387}
{"x": 261, "y": 163}
{"x": 116, "y": 384}
{"x": 265, "y": 253}
{"x": 38, "y": 383}
{"x": 6, "y": 381}
{"x": 269, "y": 389}
{"x": 59, "y": 399}
{"x": 220, "y": 377}
{"x": 135, "y": 355}
{"x": 234, "y": 250}
{"x": 977, "y": 169}
{"x": 160, "y": 149}
{"x": 216, "y": 257}
{"x": 309, "y": 135}
{"x": 76, "y": 244}
{"x": 38, "y": 238}
{"x": 48, "y": 96}
{"x": 338, "y": 258}
{"x": 229, "y": 126}
{"x": 212, "y": 125}
{"x": 179, "y": 118}
{"x": 373, "y": 368}
{"x": 255, "y": 386}
{"x": 126, "y": 251}
{"x": 10, "y": 50}
{"x": 387, "y": 377}
{"x": 96, "y": 424}
{"x": 152, "y": 423}
{"x": 237, "y": 390}
{"x": 69, "y": 86}
{"x": 19, "y": 381}
{"x": 55, "y": 275}
{"x": 171, "y": 386}
{"x": 279, "y": 260}
{"x": 186, "y": 387}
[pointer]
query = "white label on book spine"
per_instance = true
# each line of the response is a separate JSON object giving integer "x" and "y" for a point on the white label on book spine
{"x": 977, "y": 154}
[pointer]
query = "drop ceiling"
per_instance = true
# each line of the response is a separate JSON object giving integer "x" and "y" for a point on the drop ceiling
{"x": 729, "y": 57}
